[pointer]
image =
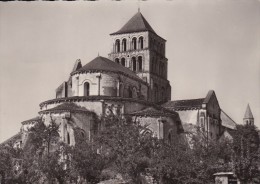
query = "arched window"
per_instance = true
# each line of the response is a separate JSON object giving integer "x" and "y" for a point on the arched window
{"x": 155, "y": 66}
{"x": 82, "y": 134}
{"x": 134, "y": 93}
{"x": 163, "y": 94}
{"x": 126, "y": 92}
{"x": 140, "y": 63}
{"x": 117, "y": 45}
{"x": 159, "y": 68}
{"x": 161, "y": 48}
{"x": 86, "y": 89}
{"x": 134, "y": 64}
{"x": 123, "y": 61}
{"x": 162, "y": 68}
{"x": 124, "y": 44}
{"x": 155, "y": 93}
{"x": 117, "y": 60}
{"x": 141, "y": 42}
{"x": 170, "y": 137}
{"x": 134, "y": 43}
{"x": 130, "y": 92}
{"x": 68, "y": 138}
{"x": 121, "y": 90}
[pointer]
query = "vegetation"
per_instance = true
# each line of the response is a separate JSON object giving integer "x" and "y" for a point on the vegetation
{"x": 194, "y": 163}
{"x": 128, "y": 148}
{"x": 246, "y": 155}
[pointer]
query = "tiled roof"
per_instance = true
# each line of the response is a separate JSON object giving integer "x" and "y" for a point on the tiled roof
{"x": 100, "y": 64}
{"x": 67, "y": 107}
{"x": 37, "y": 119}
{"x": 151, "y": 111}
{"x": 227, "y": 121}
{"x": 184, "y": 104}
{"x": 189, "y": 104}
{"x": 95, "y": 98}
{"x": 248, "y": 113}
{"x": 136, "y": 24}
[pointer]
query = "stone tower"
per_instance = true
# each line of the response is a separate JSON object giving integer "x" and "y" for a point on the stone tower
{"x": 248, "y": 117}
{"x": 137, "y": 46}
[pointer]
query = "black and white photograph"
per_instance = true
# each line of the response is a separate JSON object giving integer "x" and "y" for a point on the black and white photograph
{"x": 130, "y": 92}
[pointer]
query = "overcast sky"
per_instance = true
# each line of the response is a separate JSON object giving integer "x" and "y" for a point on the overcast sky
{"x": 210, "y": 45}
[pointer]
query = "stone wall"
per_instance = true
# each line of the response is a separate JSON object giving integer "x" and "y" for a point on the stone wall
{"x": 160, "y": 126}
{"x": 69, "y": 122}
{"x": 108, "y": 84}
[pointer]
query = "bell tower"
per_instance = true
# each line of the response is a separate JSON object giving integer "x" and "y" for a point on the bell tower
{"x": 248, "y": 117}
{"x": 137, "y": 47}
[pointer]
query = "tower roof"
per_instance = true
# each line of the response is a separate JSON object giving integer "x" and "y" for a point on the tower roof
{"x": 248, "y": 113}
{"x": 136, "y": 24}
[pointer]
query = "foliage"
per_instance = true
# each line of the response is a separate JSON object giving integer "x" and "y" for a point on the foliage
{"x": 44, "y": 157}
{"x": 85, "y": 162}
{"x": 246, "y": 153}
{"x": 126, "y": 145}
{"x": 191, "y": 164}
{"x": 8, "y": 156}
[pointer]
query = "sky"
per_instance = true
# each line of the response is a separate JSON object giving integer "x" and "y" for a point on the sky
{"x": 211, "y": 45}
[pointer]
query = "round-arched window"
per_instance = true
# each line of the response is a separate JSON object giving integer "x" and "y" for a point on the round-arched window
{"x": 134, "y": 64}
{"x": 141, "y": 42}
{"x": 124, "y": 44}
{"x": 123, "y": 61}
{"x": 134, "y": 43}
{"x": 117, "y": 45}
{"x": 86, "y": 89}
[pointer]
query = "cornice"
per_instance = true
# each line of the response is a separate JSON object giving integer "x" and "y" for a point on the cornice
{"x": 94, "y": 98}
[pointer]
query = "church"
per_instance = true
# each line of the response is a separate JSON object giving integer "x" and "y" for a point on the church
{"x": 131, "y": 81}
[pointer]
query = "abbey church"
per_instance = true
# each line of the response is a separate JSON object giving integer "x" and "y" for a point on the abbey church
{"x": 132, "y": 81}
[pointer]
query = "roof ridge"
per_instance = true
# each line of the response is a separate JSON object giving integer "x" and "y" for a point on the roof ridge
{"x": 187, "y": 99}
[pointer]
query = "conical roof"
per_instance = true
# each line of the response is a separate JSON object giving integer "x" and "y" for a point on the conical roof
{"x": 136, "y": 24}
{"x": 100, "y": 64}
{"x": 248, "y": 113}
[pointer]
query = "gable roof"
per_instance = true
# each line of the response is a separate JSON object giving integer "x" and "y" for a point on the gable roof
{"x": 153, "y": 112}
{"x": 189, "y": 104}
{"x": 77, "y": 65}
{"x": 136, "y": 24}
{"x": 227, "y": 122}
{"x": 100, "y": 64}
{"x": 248, "y": 113}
